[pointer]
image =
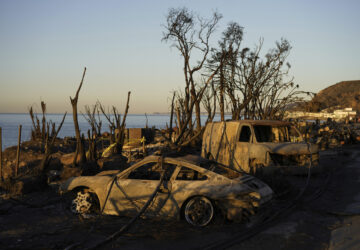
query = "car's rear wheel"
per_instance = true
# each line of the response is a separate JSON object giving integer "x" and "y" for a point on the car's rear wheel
{"x": 84, "y": 202}
{"x": 199, "y": 211}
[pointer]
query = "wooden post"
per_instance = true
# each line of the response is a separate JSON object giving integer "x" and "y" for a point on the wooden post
{"x": 18, "y": 152}
{"x": 143, "y": 145}
{"x": 1, "y": 177}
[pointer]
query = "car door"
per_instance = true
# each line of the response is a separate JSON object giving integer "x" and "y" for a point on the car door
{"x": 130, "y": 192}
{"x": 186, "y": 182}
{"x": 240, "y": 158}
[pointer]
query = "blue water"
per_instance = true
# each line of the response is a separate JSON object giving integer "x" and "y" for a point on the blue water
{"x": 10, "y": 125}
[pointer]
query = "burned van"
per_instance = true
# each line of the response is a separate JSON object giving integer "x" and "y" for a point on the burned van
{"x": 251, "y": 145}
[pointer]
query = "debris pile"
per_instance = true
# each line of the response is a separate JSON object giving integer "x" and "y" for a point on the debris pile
{"x": 330, "y": 134}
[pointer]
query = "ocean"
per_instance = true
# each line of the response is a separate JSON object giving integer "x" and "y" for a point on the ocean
{"x": 10, "y": 125}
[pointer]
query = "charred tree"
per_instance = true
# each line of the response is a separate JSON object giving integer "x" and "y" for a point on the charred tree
{"x": 121, "y": 136}
{"x": 49, "y": 143}
{"x": 92, "y": 116}
{"x": 80, "y": 150}
{"x": 190, "y": 35}
{"x": 115, "y": 125}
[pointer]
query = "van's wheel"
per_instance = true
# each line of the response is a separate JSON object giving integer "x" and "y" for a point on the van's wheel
{"x": 84, "y": 202}
{"x": 199, "y": 211}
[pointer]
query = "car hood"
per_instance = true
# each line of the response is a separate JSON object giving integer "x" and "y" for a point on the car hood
{"x": 291, "y": 148}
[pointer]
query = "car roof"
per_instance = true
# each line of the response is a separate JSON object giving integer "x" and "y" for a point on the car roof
{"x": 189, "y": 158}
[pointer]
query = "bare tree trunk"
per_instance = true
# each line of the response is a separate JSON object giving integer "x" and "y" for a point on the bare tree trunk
{"x": 222, "y": 83}
{"x": 92, "y": 146}
{"x": 195, "y": 100}
{"x": 18, "y": 153}
{"x": 171, "y": 116}
{"x": 120, "y": 143}
{"x": 178, "y": 118}
{"x": 79, "y": 144}
{"x": 43, "y": 129}
{"x": 198, "y": 114}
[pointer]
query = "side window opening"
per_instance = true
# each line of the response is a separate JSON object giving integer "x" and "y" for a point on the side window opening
{"x": 152, "y": 171}
{"x": 187, "y": 174}
{"x": 263, "y": 133}
{"x": 149, "y": 171}
{"x": 245, "y": 134}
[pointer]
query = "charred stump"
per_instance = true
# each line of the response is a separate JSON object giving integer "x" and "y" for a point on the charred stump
{"x": 80, "y": 150}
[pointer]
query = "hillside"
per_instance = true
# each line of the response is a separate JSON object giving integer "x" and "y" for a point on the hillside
{"x": 340, "y": 95}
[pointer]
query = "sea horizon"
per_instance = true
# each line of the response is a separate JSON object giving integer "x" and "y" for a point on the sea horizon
{"x": 9, "y": 122}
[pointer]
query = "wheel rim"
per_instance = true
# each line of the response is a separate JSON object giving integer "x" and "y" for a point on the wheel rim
{"x": 82, "y": 203}
{"x": 199, "y": 211}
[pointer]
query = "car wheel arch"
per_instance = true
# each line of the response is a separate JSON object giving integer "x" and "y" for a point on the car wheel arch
{"x": 87, "y": 189}
{"x": 183, "y": 205}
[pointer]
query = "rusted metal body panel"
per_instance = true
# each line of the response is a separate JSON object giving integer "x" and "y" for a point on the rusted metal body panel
{"x": 127, "y": 195}
{"x": 249, "y": 145}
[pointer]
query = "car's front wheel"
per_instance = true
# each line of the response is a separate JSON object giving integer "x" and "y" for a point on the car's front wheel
{"x": 84, "y": 202}
{"x": 199, "y": 211}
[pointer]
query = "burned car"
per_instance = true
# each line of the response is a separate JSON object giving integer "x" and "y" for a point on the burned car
{"x": 193, "y": 188}
{"x": 259, "y": 145}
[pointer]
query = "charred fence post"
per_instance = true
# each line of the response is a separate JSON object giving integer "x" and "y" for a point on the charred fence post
{"x": 143, "y": 145}
{"x": 18, "y": 152}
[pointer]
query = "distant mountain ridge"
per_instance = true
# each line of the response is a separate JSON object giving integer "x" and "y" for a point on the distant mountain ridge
{"x": 340, "y": 95}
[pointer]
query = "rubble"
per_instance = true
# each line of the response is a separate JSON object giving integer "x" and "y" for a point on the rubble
{"x": 330, "y": 134}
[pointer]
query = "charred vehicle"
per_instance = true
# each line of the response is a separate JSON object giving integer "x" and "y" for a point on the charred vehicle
{"x": 193, "y": 188}
{"x": 254, "y": 145}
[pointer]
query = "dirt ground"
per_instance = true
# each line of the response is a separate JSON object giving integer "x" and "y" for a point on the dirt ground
{"x": 325, "y": 217}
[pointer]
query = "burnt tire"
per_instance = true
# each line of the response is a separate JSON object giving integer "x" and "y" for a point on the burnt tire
{"x": 199, "y": 211}
{"x": 84, "y": 202}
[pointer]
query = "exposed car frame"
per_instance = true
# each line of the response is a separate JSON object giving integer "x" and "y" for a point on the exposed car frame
{"x": 258, "y": 145}
{"x": 193, "y": 190}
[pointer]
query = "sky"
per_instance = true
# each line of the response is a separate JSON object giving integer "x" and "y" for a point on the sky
{"x": 45, "y": 45}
